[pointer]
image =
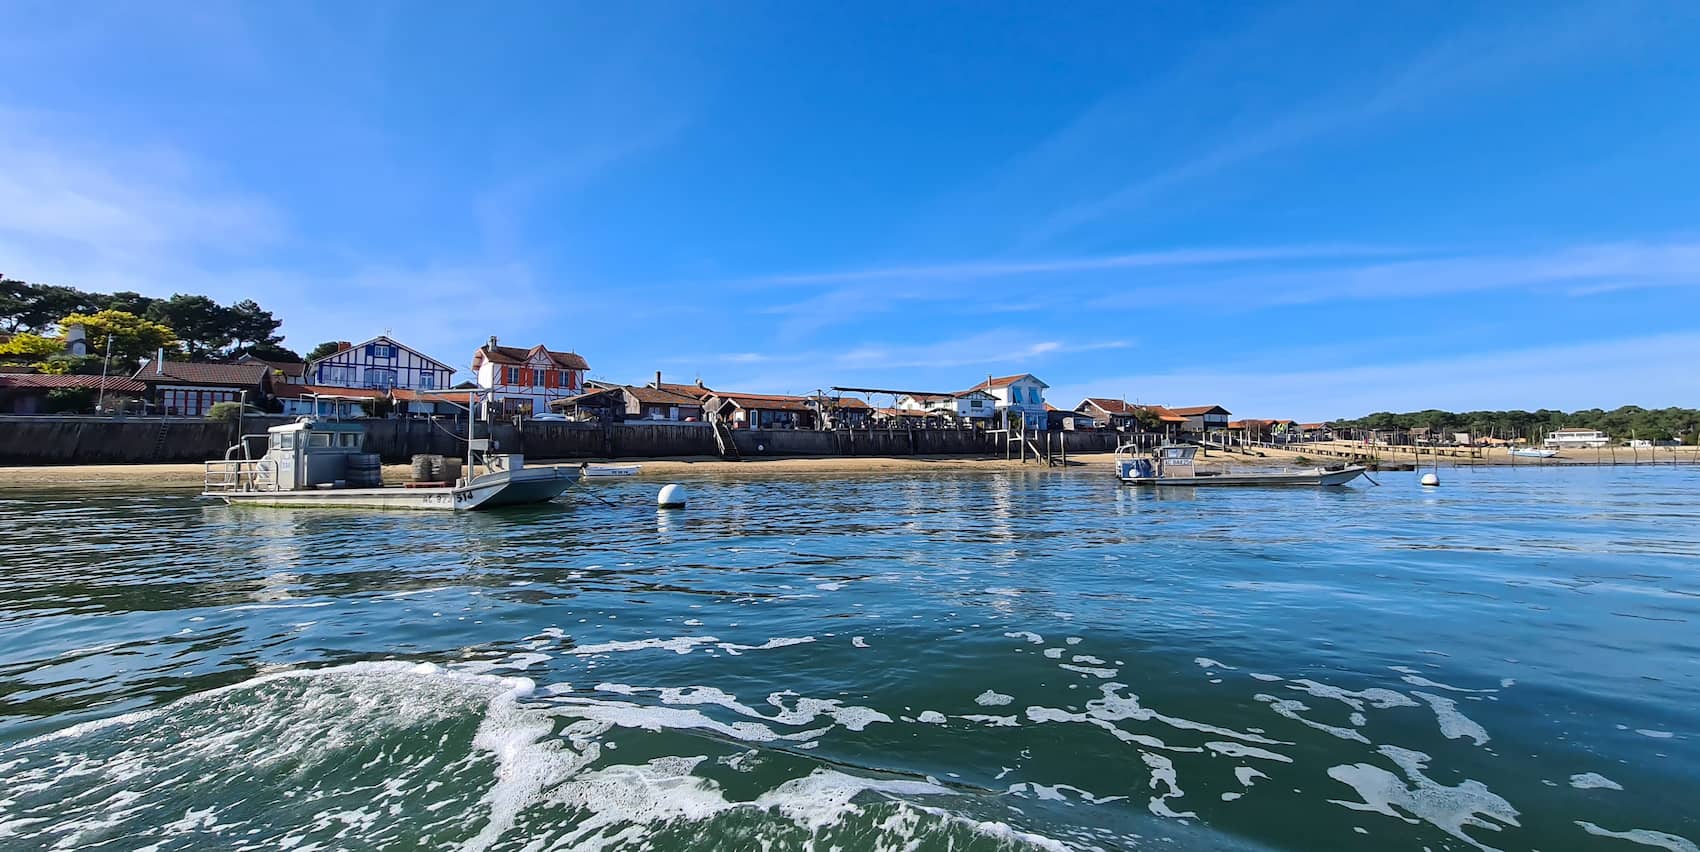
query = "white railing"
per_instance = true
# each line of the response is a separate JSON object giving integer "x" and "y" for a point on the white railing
{"x": 241, "y": 475}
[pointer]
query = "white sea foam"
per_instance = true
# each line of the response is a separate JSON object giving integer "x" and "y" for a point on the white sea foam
{"x": 992, "y": 699}
{"x": 829, "y": 587}
{"x": 931, "y": 717}
{"x": 858, "y": 642}
{"x": 1229, "y": 749}
{"x": 1643, "y": 836}
{"x": 1453, "y": 724}
{"x": 1100, "y": 673}
{"x": 1207, "y": 663}
{"x": 1657, "y": 735}
{"x": 1028, "y": 635}
{"x": 1294, "y": 710}
{"x": 1163, "y": 778}
{"x": 1451, "y": 809}
{"x": 303, "y": 605}
{"x": 677, "y": 644}
{"x": 1054, "y": 653}
{"x": 1246, "y": 775}
{"x": 1593, "y": 781}
{"x": 1380, "y": 699}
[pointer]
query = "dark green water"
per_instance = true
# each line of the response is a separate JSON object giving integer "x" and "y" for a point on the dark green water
{"x": 953, "y": 661}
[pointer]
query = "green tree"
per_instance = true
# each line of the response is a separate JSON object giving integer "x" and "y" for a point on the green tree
{"x": 252, "y": 326}
{"x": 329, "y": 347}
{"x": 272, "y": 352}
{"x": 133, "y": 338}
{"x": 27, "y": 346}
{"x": 202, "y": 325}
{"x": 64, "y": 400}
{"x": 36, "y": 307}
{"x": 129, "y": 302}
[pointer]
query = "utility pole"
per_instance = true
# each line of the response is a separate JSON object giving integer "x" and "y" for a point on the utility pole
{"x": 100, "y": 404}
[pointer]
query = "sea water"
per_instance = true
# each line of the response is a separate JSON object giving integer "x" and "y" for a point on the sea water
{"x": 959, "y": 660}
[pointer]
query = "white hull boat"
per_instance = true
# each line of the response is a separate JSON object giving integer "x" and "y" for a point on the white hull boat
{"x": 1171, "y": 466}
{"x": 1535, "y": 453}
{"x": 320, "y": 464}
{"x": 611, "y": 469}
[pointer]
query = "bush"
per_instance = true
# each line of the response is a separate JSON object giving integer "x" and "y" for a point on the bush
{"x": 227, "y": 412}
{"x": 69, "y": 400}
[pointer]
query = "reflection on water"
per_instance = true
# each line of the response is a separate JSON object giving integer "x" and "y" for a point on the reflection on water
{"x": 960, "y": 660}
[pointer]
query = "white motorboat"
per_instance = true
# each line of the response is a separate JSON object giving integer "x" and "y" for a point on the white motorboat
{"x": 1534, "y": 453}
{"x": 610, "y": 469}
{"x": 1172, "y": 465}
{"x": 320, "y": 463}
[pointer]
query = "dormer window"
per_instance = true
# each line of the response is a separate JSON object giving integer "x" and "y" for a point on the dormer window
{"x": 383, "y": 351}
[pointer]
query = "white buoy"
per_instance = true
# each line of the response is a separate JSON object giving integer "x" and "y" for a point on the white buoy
{"x": 671, "y": 497}
{"x": 1430, "y": 479}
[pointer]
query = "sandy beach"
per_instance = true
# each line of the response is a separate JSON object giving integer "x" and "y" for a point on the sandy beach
{"x": 190, "y": 475}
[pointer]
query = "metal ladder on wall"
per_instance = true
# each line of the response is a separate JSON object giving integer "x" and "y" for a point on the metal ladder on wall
{"x": 160, "y": 440}
{"x": 723, "y": 441}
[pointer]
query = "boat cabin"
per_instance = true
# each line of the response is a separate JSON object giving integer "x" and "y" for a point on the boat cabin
{"x": 307, "y": 454}
{"x": 1167, "y": 461}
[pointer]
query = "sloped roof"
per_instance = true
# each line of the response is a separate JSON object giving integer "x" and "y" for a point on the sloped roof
{"x": 1195, "y": 410}
{"x": 290, "y": 369}
{"x": 1163, "y": 414}
{"x": 848, "y": 402}
{"x": 661, "y": 396}
{"x": 1006, "y": 381}
{"x": 293, "y": 391}
{"x": 410, "y": 395}
{"x": 520, "y": 355}
{"x": 1108, "y": 406}
{"x": 49, "y": 381}
{"x": 693, "y": 391}
{"x": 384, "y": 338}
{"x": 201, "y": 373}
{"x": 766, "y": 401}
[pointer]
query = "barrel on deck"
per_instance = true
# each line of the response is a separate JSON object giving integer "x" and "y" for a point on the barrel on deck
{"x": 365, "y": 470}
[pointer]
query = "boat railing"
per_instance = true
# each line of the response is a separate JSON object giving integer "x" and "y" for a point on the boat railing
{"x": 241, "y": 475}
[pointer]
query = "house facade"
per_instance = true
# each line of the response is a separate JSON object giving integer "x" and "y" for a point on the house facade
{"x": 969, "y": 406}
{"x": 380, "y": 363}
{"x": 191, "y": 388}
{"x": 762, "y": 410}
{"x": 26, "y": 393}
{"x": 1019, "y": 400}
{"x": 1204, "y": 421}
{"x": 841, "y": 412}
{"x": 522, "y": 381}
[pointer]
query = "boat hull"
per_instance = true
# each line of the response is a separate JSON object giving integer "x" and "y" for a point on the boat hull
{"x": 1311, "y": 478}
{"x": 612, "y": 470}
{"x": 487, "y": 491}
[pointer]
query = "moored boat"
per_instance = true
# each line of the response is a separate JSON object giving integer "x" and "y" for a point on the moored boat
{"x": 1172, "y": 465}
{"x": 1534, "y": 453}
{"x": 610, "y": 469}
{"x": 321, "y": 463}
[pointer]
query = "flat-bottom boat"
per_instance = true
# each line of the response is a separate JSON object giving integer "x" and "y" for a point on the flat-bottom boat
{"x": 311, "y": 463}
{"x": 610, "y": 469}
{"x": 1172, "y": 465}
{"x": 1534, "y": 453}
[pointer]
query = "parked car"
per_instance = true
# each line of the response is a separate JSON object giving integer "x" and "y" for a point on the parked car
{"x": 551, "y": 416}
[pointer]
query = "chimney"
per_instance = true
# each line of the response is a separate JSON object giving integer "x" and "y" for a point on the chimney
{"x": 658, "y": 380}
{"x": 343, "y": 346}
{"x": 492, "y": 341}
{"x": 159, "y": 362}
{"x": 76, "y": 341}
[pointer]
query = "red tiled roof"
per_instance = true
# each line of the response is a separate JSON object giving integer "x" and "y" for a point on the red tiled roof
{"x": 1195, "y": 410}
{"x": 518, "y": 355}
{"x": 1006, "y": 381}
{"x": 848, "y": 402}
{"x": 49, "y": 381}
{"x": 290, "y": 370}
{"x": 766, "y": 401}
{"x": 1313, "y": 427}
{"x": 1108, "y": 406}
{"x": 201, "y": 373}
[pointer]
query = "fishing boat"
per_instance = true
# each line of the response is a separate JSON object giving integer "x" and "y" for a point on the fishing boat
{"x": 610, "y": 469}
{"x": 1172, "y": 464}
{"x": 1534, "y": 453}
{"x": 321, "y": 463}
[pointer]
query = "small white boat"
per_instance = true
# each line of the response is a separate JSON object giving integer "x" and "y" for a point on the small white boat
{"x": 610, "y": 469}
{"x": 1172, "y": 465}
{"x": 1534, "y": 453}
{"x": 317, "y": 463}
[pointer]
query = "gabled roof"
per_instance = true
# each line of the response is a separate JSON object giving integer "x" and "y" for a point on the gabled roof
{"x": 382, "y": 338}
{"x": 290, "y": 369}
{"x": 1108, "y": 406}
{"x": 518, "y": 355}
{"x": 1006, "y": 381}
{"x": 1313, "y": 427}
{"x": 1196, "y": 410}
{"x": 50, "y": 381}
{"x": 848, "y": 402}
{"x": 1164, "y": 414}
{"x": 200, "y": 373}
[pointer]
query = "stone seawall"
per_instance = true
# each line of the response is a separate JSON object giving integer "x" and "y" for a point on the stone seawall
{"x": 35, "y": 440}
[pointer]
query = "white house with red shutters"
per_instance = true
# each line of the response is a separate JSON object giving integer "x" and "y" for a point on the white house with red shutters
{"x": 524, "y": 381}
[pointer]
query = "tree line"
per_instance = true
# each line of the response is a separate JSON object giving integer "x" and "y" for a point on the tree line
{"x": 34, "y": 318}
{"x": 1654, "y": 424}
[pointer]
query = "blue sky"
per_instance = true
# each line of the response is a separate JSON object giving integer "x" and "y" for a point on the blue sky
{"x": 1300, "y": 210}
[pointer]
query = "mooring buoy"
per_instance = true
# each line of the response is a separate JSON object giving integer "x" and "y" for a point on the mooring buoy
{"x": 671, "y": 497}
{"x": 1430, "y": 480}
